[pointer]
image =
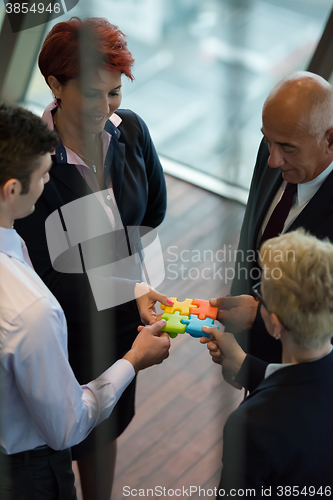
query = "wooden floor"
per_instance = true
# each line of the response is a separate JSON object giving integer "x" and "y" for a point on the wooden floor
{"x": 175, "y": 438}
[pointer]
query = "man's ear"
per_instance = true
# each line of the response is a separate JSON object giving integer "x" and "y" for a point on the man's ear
{"x": 329, "y": 138}
{"x": 11, "y": 189}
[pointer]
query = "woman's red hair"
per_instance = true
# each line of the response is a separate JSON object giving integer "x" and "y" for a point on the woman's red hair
{"x": 74, "y": 46}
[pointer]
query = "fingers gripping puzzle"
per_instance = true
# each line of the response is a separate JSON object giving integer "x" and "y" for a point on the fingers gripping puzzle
{"x": 188, "y": 316}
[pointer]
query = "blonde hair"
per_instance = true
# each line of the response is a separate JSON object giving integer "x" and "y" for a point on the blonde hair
{"x": 299, "y": 290}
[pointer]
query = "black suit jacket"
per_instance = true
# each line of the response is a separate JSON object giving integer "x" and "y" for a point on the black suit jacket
{"x": 282, "y": 434}
{"x": 317, "y": 218}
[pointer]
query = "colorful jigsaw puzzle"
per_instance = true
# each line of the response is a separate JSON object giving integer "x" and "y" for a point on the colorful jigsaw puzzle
{"x": 188, "y": 316}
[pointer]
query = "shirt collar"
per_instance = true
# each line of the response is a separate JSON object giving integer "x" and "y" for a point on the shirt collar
{"x": 10, "y": 243}
{"x": 307, "y": 190}
{"x": 110, "y": 129}
{"x": 274, "y": 367}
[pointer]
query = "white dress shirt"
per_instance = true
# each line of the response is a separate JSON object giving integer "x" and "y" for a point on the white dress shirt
{"x": 41, "y": 400}
{"x": 305, "y": 192}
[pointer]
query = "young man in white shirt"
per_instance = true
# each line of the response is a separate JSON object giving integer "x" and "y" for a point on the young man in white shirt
{"x": 44, "y": 410}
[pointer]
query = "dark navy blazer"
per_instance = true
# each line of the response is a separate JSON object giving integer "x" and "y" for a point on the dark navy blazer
{"x": 282, "y": 434}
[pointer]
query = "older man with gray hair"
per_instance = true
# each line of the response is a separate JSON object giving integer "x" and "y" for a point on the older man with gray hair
{"x": 291, "y": 187}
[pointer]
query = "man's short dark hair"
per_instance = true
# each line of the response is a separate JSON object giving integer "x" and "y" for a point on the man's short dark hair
{"x": 24, "y": 137}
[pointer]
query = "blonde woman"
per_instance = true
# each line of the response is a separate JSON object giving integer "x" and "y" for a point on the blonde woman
{"x": 280, "y": 439}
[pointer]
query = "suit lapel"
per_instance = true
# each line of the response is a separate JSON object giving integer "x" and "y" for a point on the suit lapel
{"x": 70, "y": 176}
{"x": 115, "y": 160}
{"x": 267, "y": 191}
{"x": 320, "y": 205}
{"x": 67, "y": 173}
{"x": 115, "y": 165}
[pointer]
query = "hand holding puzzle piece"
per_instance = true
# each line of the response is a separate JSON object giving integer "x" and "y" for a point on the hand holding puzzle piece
{"x": 188, "y": 316}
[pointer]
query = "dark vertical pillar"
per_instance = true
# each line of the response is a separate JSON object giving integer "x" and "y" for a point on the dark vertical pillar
{"x": 322, "y": 60}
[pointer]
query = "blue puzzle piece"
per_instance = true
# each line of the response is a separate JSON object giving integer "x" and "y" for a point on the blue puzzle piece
{"x": 194, "y": 326}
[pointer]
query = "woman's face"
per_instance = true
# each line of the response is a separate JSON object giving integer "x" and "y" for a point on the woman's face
{"x": 88, "y": 104}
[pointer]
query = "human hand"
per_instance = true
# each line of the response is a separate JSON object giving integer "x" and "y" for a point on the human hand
{"x": 150, "y": 347}
{"x": 157, "y": 317}
{"x": 236, "y": 313}
{"x": 225, "y": 350}
{"x": 146, "y": 298}
{"x": 213, "y": 349}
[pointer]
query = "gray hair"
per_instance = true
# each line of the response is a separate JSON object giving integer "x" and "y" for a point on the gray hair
{"x": 315, "y": 94}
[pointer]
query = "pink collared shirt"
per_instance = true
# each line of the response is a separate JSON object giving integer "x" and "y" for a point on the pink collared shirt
{"x": 83, "y": 168}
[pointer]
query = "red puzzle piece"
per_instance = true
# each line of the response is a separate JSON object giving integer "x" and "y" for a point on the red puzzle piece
{"x": 204, "y": 310}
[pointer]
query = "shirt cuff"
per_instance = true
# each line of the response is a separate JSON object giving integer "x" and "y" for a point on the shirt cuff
{"x": 120, "y": 375}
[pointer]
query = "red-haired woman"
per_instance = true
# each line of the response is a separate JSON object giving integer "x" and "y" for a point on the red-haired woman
{"x": 100, "y": 152}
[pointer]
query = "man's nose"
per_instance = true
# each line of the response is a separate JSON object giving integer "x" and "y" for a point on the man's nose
{"x": 276, "y": 158}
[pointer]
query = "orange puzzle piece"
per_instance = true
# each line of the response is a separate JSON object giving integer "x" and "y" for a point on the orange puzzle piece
{"x": 183, "y": 307}
{"x": 204, "y": 309}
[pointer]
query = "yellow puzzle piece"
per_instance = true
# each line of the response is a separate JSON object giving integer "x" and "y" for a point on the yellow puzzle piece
{"x": 183, "y": 307}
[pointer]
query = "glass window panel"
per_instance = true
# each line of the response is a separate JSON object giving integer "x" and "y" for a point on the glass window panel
{"x": 204, "y": 69}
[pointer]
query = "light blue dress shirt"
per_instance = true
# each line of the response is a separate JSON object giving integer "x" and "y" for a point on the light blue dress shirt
{"x": 41, "y": 400}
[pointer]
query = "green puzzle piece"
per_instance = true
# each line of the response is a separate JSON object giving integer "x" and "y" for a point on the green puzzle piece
{"x": 174, "y": 325}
